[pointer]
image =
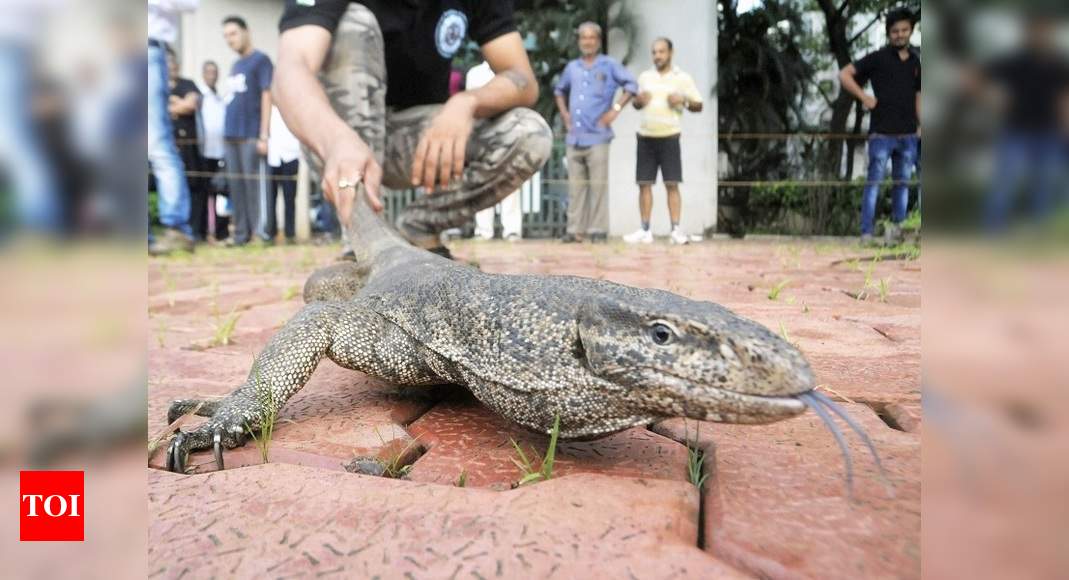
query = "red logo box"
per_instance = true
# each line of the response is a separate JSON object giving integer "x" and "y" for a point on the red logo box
{"x": 51, "y": 506}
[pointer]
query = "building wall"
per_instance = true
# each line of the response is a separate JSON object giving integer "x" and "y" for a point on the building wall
{"x": 692, "y": 26}
{"x": 202, "y": 33}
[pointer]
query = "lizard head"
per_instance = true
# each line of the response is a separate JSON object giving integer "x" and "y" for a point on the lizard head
{"x": 675, "y": 357}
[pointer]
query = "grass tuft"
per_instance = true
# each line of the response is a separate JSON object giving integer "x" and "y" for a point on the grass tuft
{"x": 773, "y": 294}
{"x": 695, "y": 457}
{"x": 225, "y": 328}
{"x": 267, "y": 424}
{"x": 545, "y": 471}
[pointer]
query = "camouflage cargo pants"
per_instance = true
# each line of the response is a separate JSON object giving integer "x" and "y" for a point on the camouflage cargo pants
{"x": 502, "y": 152}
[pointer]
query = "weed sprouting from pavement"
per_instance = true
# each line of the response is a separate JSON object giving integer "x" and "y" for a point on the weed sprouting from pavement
{"x": 224, "y": 328}
{"x": 530, "y": 474}
{"x": 267, "y": 424}
{"x": 773, "y": 294}
{"x": 695, "y": 457}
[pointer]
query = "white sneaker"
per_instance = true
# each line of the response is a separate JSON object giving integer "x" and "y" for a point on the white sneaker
{"x": 639, "y": 236}
{"x": 678, "y": 237}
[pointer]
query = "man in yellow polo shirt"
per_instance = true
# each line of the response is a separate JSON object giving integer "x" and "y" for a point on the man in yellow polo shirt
{"x": 664, "y": 92}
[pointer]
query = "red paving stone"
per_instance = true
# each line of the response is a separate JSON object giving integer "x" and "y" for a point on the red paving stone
{"x": 775, "y": 506}
{"x": 463, "y": 436}
{"x": 285, "y": 520}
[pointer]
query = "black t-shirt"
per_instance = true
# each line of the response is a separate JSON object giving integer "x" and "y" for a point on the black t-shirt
{"x": 185, "y": 126}
{"x": 896, "y": 83}
{"x": 1034, "y": 85}
{"x": 420, "y": 38}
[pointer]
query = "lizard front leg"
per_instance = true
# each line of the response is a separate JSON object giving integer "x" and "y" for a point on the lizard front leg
{"x": 283, "y": 367}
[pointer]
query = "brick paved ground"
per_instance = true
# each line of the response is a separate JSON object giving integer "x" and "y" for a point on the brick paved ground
{"x": 775, "y": 503}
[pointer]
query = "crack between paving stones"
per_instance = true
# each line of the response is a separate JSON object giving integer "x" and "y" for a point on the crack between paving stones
{"x": 881, "y": 411}
{"x": 708, "y": 458}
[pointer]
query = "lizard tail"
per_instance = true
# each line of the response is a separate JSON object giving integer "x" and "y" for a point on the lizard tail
{"x": 368, "y": 234}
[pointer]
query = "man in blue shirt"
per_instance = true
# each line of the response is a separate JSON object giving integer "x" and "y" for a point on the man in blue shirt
{"x": 246, "y": 129}
{"x": 590, "y": 83}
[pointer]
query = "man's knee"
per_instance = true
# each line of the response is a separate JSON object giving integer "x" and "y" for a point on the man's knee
{"x": 533, "y": 137}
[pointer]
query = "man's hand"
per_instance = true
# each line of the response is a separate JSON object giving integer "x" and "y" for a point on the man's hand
{"x": 349, "y": 161}
{"x": 261, "y": 146}
{"x": 868, "y": 102}
{"x": 440, "y": 154}
{"x": 675, "y": 100}
{"x": 566, "y": 118}
{"x": 642, "y": 99}
{"x": 607, "y": 119}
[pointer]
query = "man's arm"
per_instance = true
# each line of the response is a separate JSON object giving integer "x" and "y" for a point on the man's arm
{"x": 562, "y": 108}
{"x": 439, "y": 157}
{"x": 265, "y": 122}
{"x": 626, "y": 80}
{"x": 307, "y": 112}
{"x": 560, "y": 91}
{"x": 847, "y": 77}
{"x": 185, "y": 105}
{"x": 918, "y": 97}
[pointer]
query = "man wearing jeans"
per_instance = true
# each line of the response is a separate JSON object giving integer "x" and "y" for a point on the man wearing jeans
{"x": 167, "y": 167}
{"x": 590, "y": 83}
{"x": 246, "y": 129}
{"x": 895, "y": 72}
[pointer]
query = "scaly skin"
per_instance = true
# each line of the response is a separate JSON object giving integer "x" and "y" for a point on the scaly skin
{"x": 602, "y": 356}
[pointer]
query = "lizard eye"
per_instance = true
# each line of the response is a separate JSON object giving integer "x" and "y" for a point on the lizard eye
{"x": 661, "y": 334}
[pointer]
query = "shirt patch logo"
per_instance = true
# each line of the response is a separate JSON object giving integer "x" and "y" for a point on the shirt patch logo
{"x": 450, "y": 31}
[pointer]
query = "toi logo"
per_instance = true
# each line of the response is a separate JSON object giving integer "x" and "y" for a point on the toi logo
{"x": 51, "y": 506}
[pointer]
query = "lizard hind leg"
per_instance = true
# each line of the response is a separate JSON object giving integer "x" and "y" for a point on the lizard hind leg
{"x": 337, "y": 282}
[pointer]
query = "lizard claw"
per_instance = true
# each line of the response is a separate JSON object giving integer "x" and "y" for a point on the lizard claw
{"x": 176, "y": 454}
{"x": 217, "y": 447}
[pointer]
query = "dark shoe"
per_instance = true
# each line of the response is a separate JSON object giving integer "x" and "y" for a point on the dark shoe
{"x": 570, "y": 239}
{"x": 170, "y": 240}
{"x": 441, "y": 251}
{"x": 599, "y": 238}
{"x": 235, "y": 243}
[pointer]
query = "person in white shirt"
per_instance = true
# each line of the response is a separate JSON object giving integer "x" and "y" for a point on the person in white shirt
{"x": 283, "y": 156}
{"x": 210, "y": 118}
{"x": 664, "y": 92}
{"x": 511, "y": 212}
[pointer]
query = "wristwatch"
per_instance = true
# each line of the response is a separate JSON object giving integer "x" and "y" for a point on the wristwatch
{"x": 617, "y": 107}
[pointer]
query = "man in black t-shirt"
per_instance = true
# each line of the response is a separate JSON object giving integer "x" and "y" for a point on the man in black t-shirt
{"x": 182, "y": 103}
{"x": 380, "y": 110}
{"x": 1032, "y": 86}
{"x": 895, "y": 72}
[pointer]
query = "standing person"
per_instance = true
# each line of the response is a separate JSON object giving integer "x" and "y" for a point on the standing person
{"x": 210, "y": 120}
{"x": 389, "y": 118}
{"x": 182, "y": 104}
{"x": 895, "y": 71}
{"x": 511, "y": 212}
{"x": 1030, "y": 85}
{"x": 664, "y": 92}
{"x": 246, "y": 130}
{"x": 589, "y": 83}
{"x": 171, "y": 187}
{"x": 283, "y": 156}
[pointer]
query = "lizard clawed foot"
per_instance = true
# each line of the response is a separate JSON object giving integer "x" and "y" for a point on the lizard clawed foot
{"x": 224, "y": 430}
